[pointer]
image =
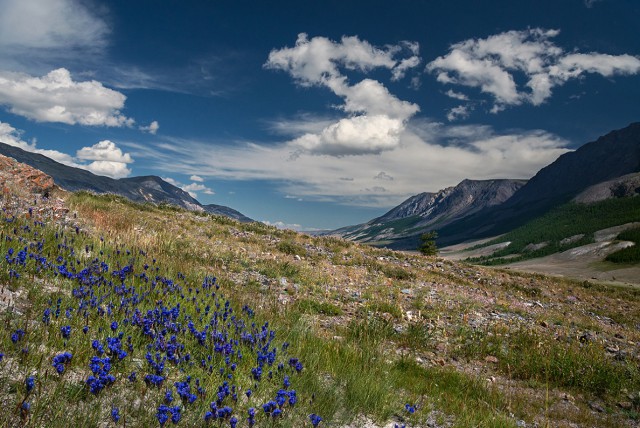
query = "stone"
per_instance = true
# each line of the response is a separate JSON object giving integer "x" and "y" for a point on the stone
{"x": 625, "y": 405}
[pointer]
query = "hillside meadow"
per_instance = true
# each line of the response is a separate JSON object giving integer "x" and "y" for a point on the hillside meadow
{"x": 122, "y": 314}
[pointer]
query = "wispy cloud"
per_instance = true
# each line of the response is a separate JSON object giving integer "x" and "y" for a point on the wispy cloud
{"x": 430, "y": 156}
{"x": 37, "y": 33}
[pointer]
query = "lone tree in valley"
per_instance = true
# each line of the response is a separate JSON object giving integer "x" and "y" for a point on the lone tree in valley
{"x": 428, "y": 243}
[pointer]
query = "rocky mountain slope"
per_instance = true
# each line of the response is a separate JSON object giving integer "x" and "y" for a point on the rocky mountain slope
{"x": 433, "y": 210}
{"x": 138, "y": 189}
{"x": 620, "y": 187}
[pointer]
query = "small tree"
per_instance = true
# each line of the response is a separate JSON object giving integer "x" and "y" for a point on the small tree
{"x": 428, "y": 243}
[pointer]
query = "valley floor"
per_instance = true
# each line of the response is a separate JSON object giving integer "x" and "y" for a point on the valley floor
{"x": 585, "y": 263}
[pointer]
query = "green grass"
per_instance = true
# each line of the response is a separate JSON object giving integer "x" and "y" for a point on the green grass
{"x": 562, "y": 222}
{"x": 526, "y": 355}
{"x": 291, "y": 248}
{"x": 309, "y": 306}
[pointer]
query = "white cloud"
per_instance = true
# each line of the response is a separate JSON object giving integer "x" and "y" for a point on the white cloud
{"x": 495, "y": 64}
{"x": 56, "y": 97}
{"x": 37, "y": 35}
{"x": 376, "y": 117}
{"x": 110, "y": 169}
{"x": 456, "y": 95}
{"x": 317, "y": 61}
{"x": 50, "y": 25}
{"x": 107, "y": 159}
{"x": 105, "y": 151}
{"x": 429, "y": 157}
{"x": 282, "y": 225}
{"x": 152, "y": 128}
{"x": 196, "y": 178}
{"x": 460, "y": 112}
{"x": 353, "y": 136}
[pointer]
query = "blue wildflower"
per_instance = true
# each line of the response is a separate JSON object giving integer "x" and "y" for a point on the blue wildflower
{"x": 60, "y": 360}
{"x": 115, "y": 414}
{"x": 65, "y": 330}
{"x": 315, "y": 419}
{"x": 17, "y": 335}
{"x": 30, "y": 383}
{"x": 252, "y": 416}
{"x": 175, "y": 414}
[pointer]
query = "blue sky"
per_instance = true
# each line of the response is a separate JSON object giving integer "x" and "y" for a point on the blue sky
{"x": 315, "y": 114}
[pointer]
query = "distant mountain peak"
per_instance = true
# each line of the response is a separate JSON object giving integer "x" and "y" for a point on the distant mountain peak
{"x": 430, "y": 209}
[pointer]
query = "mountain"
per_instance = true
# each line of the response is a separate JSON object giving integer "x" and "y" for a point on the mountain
{"x": 611, "y": 156}
{"x": 149, "y": 188}
{"x": 487, "y": 213}
{"x": 433, "y": 210}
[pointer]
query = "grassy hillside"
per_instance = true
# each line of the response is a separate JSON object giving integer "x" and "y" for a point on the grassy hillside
{"x": 118, "y": 314}
{"x": 568, "y": 226}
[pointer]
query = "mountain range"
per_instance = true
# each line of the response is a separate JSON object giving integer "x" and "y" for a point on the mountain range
{"x": 479, "y": 209}
{"x": 148, "y": 188}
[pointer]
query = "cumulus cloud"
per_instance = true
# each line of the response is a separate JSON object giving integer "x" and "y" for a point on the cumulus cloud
{"x": 105, "y": 151}
{"x": 376, "y": 117}
{"x": 354, "y": 136}
{"x": 152, "y": 128}
{"x": 56, "y": 97}
{"x": 109, "y": 169}
{"x": 106, "y": 158}
{"x": 196, "y": 178}
{"x": 496, "y": 63}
